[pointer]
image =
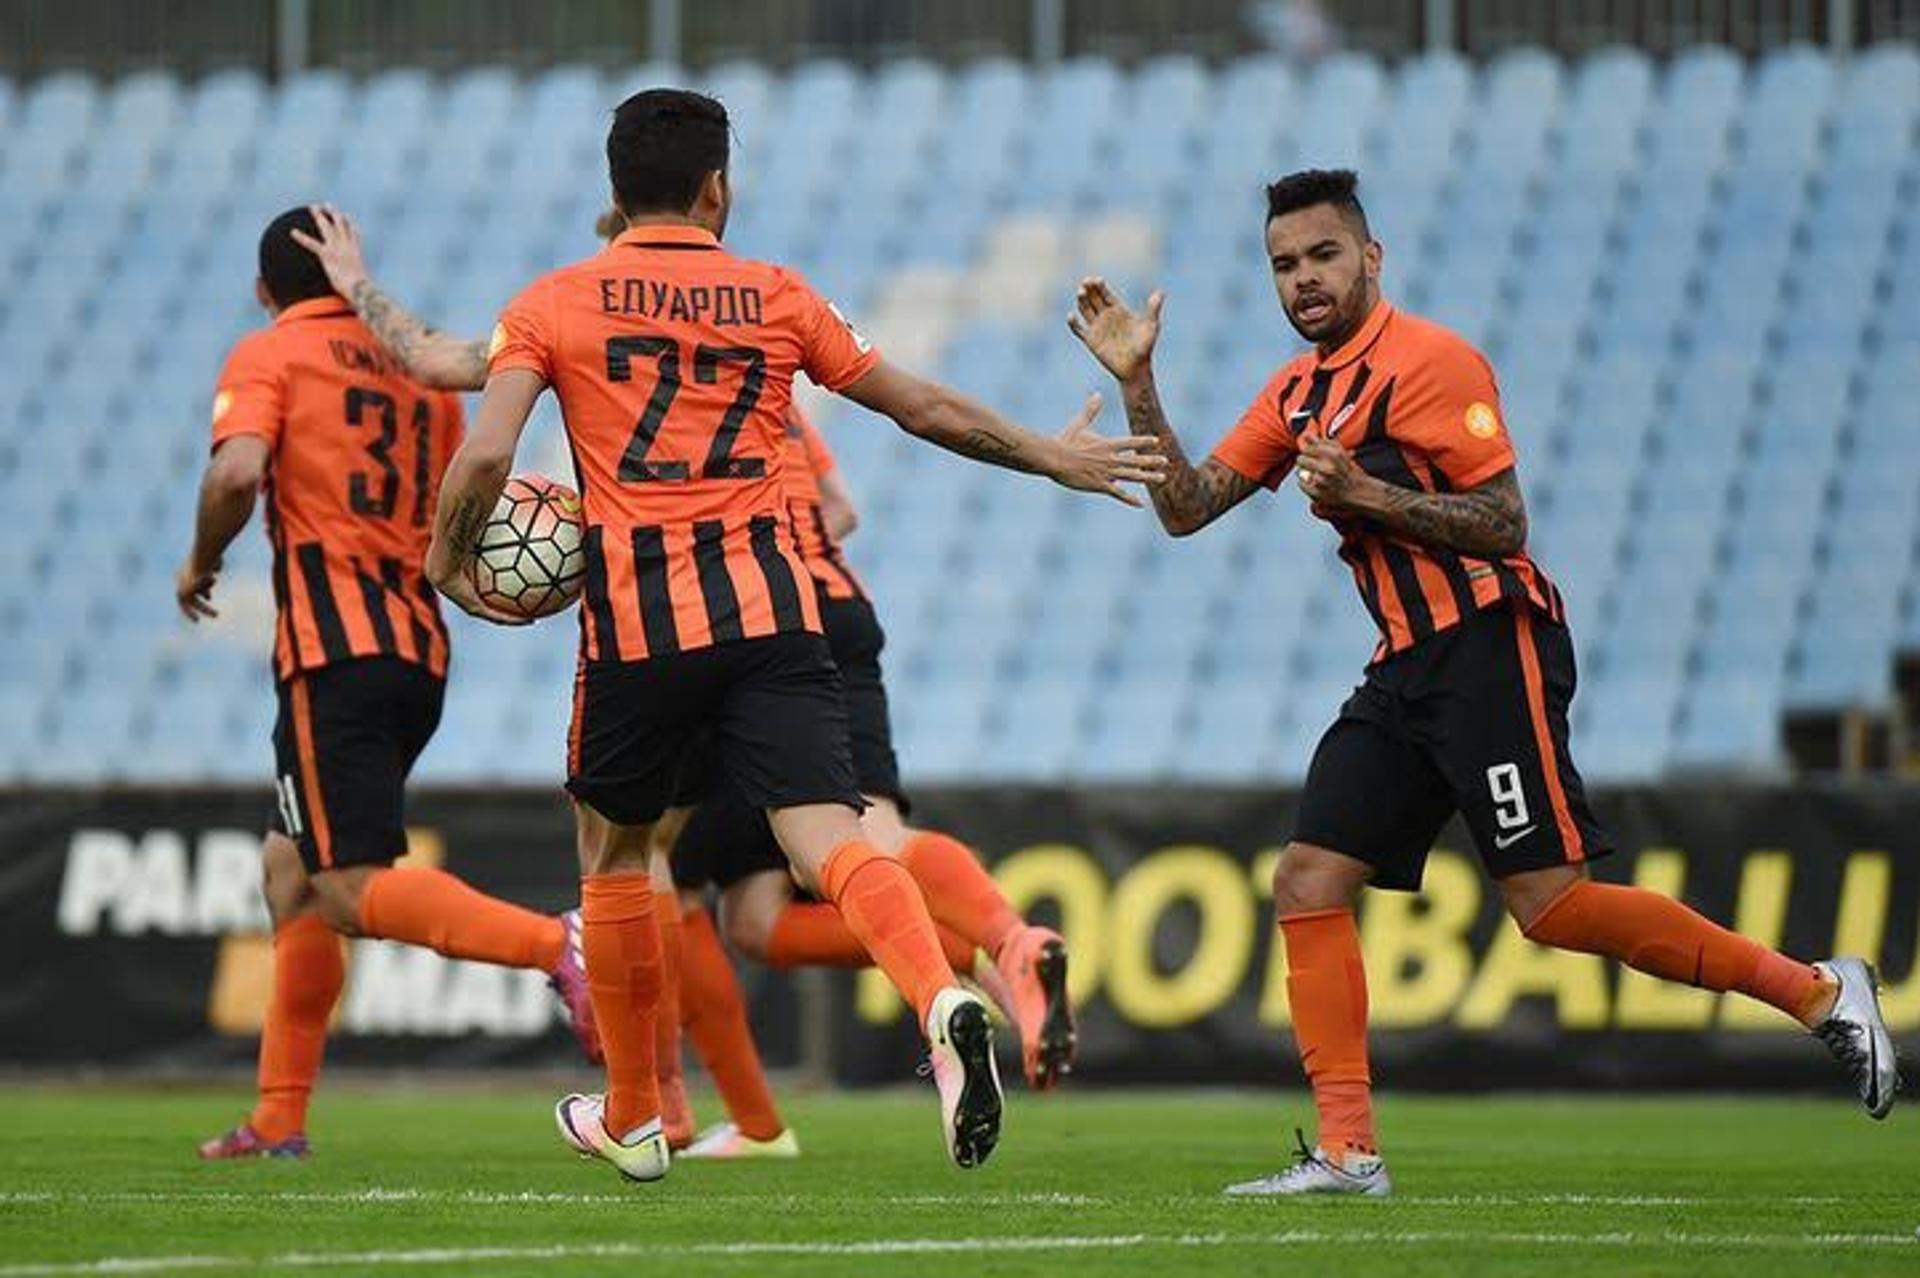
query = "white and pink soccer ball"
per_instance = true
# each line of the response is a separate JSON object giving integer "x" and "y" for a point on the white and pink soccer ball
{"x": 529, "y": 560}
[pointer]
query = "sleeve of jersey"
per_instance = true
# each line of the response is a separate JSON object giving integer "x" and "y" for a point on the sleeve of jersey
{"x": 832, "y": 353}
{"x": 1457, "y": 423}
{"x": 523, "y": 336}
{"x": 248, "y": 398}
{"x": 1259, "y": 448}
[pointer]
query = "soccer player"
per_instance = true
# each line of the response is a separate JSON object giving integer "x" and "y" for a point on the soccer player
{"x": 350, "y": 453}
{"x": 673, "y": 362}
{"x": 727, "y": 843}
{"x": 1394, "y": 426}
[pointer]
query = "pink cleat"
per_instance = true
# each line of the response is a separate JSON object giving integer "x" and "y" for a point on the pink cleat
{"x": 1034, "y": 963}
{"x": 244, "y": 1142}
{"x": 569, "y": 981}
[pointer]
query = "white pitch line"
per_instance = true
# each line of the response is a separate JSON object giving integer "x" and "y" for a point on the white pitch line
{"x": 533, "y": 1197}
{"x": 933, "y": 1246}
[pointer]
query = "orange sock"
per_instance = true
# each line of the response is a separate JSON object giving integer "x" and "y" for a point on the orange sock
{"x": 666, "y": 1022}
{"x": 878, "y": 899}
{"x": 621, "y": 941}
{"x": 1661, "y": 937}
{"x": 308, "y": 971}
{"x": 715, "y": 1016}
{"x": 1327, "y": 993}
{"x": 812, "y": 934}
{"x": 433, "y": 908}
{"x": 959, "y": 891}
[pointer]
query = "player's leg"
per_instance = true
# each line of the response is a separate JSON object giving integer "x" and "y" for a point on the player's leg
{"x": 1026, "y": 968}
{"x": 676, "y": 1112}
{"x": 784, "y": 735}
{"x": 620, "y": 939}
{"x": 358, "y": 728}
{"x": 308, "y": 973}
{"x": 1527, "y": 806}
{"x": 715, "y": 1018}
{"x": 1368, "y": 814}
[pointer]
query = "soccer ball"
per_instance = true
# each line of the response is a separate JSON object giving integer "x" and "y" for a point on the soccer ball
{"x": 529, "y": 560}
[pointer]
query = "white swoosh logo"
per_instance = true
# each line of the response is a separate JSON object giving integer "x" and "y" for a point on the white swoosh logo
{"x": 1505, "y": 841}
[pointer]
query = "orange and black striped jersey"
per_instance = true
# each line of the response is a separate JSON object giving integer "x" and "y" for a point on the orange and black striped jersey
{"x": 1416, "y": 405}
{"x": 674, "y": 361}
{"x": 358, "y": 449}
{"x": 809, "y": 460}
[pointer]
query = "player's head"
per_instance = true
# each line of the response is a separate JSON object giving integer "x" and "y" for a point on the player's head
{"x": 667, "y": 154}
{"x": 289, "y": 273}
{"x": 1326, "y": 263}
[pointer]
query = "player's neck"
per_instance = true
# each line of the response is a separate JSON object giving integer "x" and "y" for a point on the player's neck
{"x": 670, "y": 219}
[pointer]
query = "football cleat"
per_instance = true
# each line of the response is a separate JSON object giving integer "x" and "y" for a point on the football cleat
{"x": 1355, "y": 1173}
{"x": 641, "y": 1156}
{"x": 1856, "y": 1033}
{"x": 1034, "y": 963}
{"x": 724, "y": 1142}
{"x": 960, "y": 1057}
{"x": 569, "y": 981}
{"x": 244, "y": 1142}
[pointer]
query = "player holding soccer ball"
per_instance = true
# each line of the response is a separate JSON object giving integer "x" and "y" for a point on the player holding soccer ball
{"x": 1394, "y": 426}
{"x": 350, "y": 453}
{"x": 726, "y": 841}
{"x": 673, "y": 362}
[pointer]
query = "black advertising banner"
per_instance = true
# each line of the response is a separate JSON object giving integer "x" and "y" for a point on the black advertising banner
{"x": 1164, "y": 896}
{"x": 135, "y": 937}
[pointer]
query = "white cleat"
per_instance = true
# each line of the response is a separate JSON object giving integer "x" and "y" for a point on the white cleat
{"x": 960, "y": 1053}
{"x": 1856, "y": 1034}
{"x": 725, "y": 1142}
{"x": 642, "y": 1156}
{"x": 1364, "y": 1175}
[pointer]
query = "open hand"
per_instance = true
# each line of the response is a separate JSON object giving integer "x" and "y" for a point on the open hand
{"x": 337, "y": 247}
{"x": 1328, "y": 473}
{"x": 193, "y": 591}
{"x": 1094, "y": 463}
{"x": 1121, "y": 339}
{"x": 458, "y": 586}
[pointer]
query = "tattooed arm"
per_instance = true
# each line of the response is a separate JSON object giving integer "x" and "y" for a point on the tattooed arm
{"x": 472, "y": 485}
{"x": 438, "y": 359}
{"x": 1487, "y": 521}
{"x": 1191, "y": 498}
{"x": 1076, "y": 458}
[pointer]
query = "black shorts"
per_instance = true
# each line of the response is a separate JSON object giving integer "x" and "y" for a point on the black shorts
{"x": 1472, "y": 720}
{"x": 727, "y": 839}
{"x": 773, "y": 707}
{"x": 345, "y": 739}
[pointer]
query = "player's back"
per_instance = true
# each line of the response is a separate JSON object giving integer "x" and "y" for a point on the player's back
{"x": 358, "y": 451}
{"x": 674, "y": 361}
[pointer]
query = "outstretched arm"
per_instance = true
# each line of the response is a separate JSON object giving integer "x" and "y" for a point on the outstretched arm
{"x": 438, "y": 359}
{"x": 1076, "y": 458}
{"x": 1488, "y": 521}
{"x": 1190, "y": 498}
{"x": 473, "y": 482}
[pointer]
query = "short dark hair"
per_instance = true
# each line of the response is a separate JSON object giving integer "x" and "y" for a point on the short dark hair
{"x": 661, "y": 147}
{"x": 292, "y": 274}
{"x": 1309, "y": 187}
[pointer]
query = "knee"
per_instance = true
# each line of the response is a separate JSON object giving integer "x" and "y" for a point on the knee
{"x": 283, "y": 881}
{"x": 1528, "y": 894}
{"x": 746, "y": 930}
{"x": 1308, "y": 878}
{"x": 338, "y": 897}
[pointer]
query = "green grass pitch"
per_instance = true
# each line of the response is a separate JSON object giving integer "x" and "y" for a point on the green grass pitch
{"x": 464, "y": 1180}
